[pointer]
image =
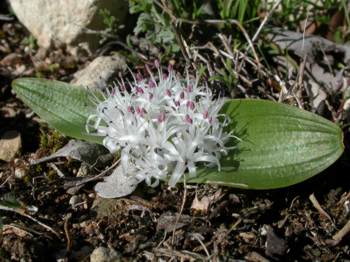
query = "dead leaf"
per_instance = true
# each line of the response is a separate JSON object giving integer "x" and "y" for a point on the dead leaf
{"x": 202, "y": 205}
{"x": 117, "y": 184}
{"x": 78, "y": 150}
{"x": 167, "y": 221}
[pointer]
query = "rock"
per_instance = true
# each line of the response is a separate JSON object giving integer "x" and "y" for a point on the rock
{"x": 274, "y": 245}
{"x": 65, "y": 21}
{"x": 75, "y": 200}
{"x": 99, "y": 72}
{"x": 10, "y": 144}
{"x": 20, "y": 172}
{"x": 103, "y": 254}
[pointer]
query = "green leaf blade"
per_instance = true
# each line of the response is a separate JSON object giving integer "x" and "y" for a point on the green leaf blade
{"x": 63, "y": 106}
{"x": 281, "y": 146}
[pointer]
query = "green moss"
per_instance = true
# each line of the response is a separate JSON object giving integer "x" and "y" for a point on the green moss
{"x": 51, "y": 140}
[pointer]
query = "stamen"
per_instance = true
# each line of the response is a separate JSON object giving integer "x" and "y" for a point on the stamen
{"x": 139, "y": 90}
{"x": 139, "y": 77}
{"x": 161, "y": 117}
{"x": 182, "y": 95}
{"x": 188, "y": 119}
{"x": 205, "y": 114}
{"x": 151, "y": 84}
{"x": 190, "y": 105}
{"x": 156, "y": 63}
{"x": 131, "y": 109}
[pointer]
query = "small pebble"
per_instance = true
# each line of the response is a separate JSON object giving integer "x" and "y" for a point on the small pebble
{"x": 103, "y": 254}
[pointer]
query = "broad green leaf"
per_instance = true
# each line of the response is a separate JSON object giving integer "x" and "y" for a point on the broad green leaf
{"x": 63, "y": 106}
{"x": 281, "y": 146}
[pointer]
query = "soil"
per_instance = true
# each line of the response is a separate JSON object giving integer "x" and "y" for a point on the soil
{"x": 215, "y": 223}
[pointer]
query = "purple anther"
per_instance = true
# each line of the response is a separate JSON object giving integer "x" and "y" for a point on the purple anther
{"x": 189, "y": 88}
{"x": 190, "y": 105}
{"x": 151, "y": 84}
{"x": 122, "y": 87}
{"x": 139, "y": 77}
{"x": 130, "y": 109}
{"x": 182, "y": 95}
{"x": 205, "y": 114}
{"x": 161, "y": 117}
{"x": 168, "y": 92}
{"x": 188, "y": 119}
{"x": 140, "y": 111}
{"x": 139, "y": 90}
{"x": 156, "y": 63}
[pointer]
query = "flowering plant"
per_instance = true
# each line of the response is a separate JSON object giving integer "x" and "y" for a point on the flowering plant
{"x": 163, "y": 125}
{"x": 170, "y": 128}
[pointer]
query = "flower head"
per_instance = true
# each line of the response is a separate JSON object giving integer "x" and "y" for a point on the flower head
{"x": 164, "y": 126}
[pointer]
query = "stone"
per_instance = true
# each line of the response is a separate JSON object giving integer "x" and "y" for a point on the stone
{"x": 99, "y": 73}
{"x": 10, "y": 144}
{"x": 20, "y": 172}
{"x": 65, "y": 22}
{"x": 103, "y": 254}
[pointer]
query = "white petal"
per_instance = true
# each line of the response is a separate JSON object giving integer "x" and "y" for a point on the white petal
{"x": 178, "y": 172}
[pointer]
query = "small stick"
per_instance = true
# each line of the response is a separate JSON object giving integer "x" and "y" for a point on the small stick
{"x": 257, "y": 33}
{"x": 85, "y": 180}
{"x": 21, "y": 212}
{"x": 198, "y": 237}
{"x": 319, "y": 208}
{"x": 68, "y": 235}
{"x": 181, "y": 210}
{"x": 341, "y": 233}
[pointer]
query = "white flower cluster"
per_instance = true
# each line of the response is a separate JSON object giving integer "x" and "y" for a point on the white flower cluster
{"x": 164, "y": 126}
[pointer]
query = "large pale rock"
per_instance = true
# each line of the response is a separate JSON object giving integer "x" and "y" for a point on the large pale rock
{"x": 63, "y": 21}
{"x": 100, "y": 72}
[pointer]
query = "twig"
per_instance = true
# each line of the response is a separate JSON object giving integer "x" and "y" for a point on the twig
{"x": 341, "y": 233}
{"x": 244, "y": 32}
{"x": 180, "y": 213}
{"x": 4, "y": 183}
{"x": 317, "y": 205}
{"x": 21, "y": 212}
{"x": 6, "y": 17}
{"x": 266, "y": 18}
{"x": 85, "y": 180}
{"x": 58, "y": 171}
{"x": 184, "y": 255}
{"x": 66, "y": 231}
{"x": 198, "y": 237}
